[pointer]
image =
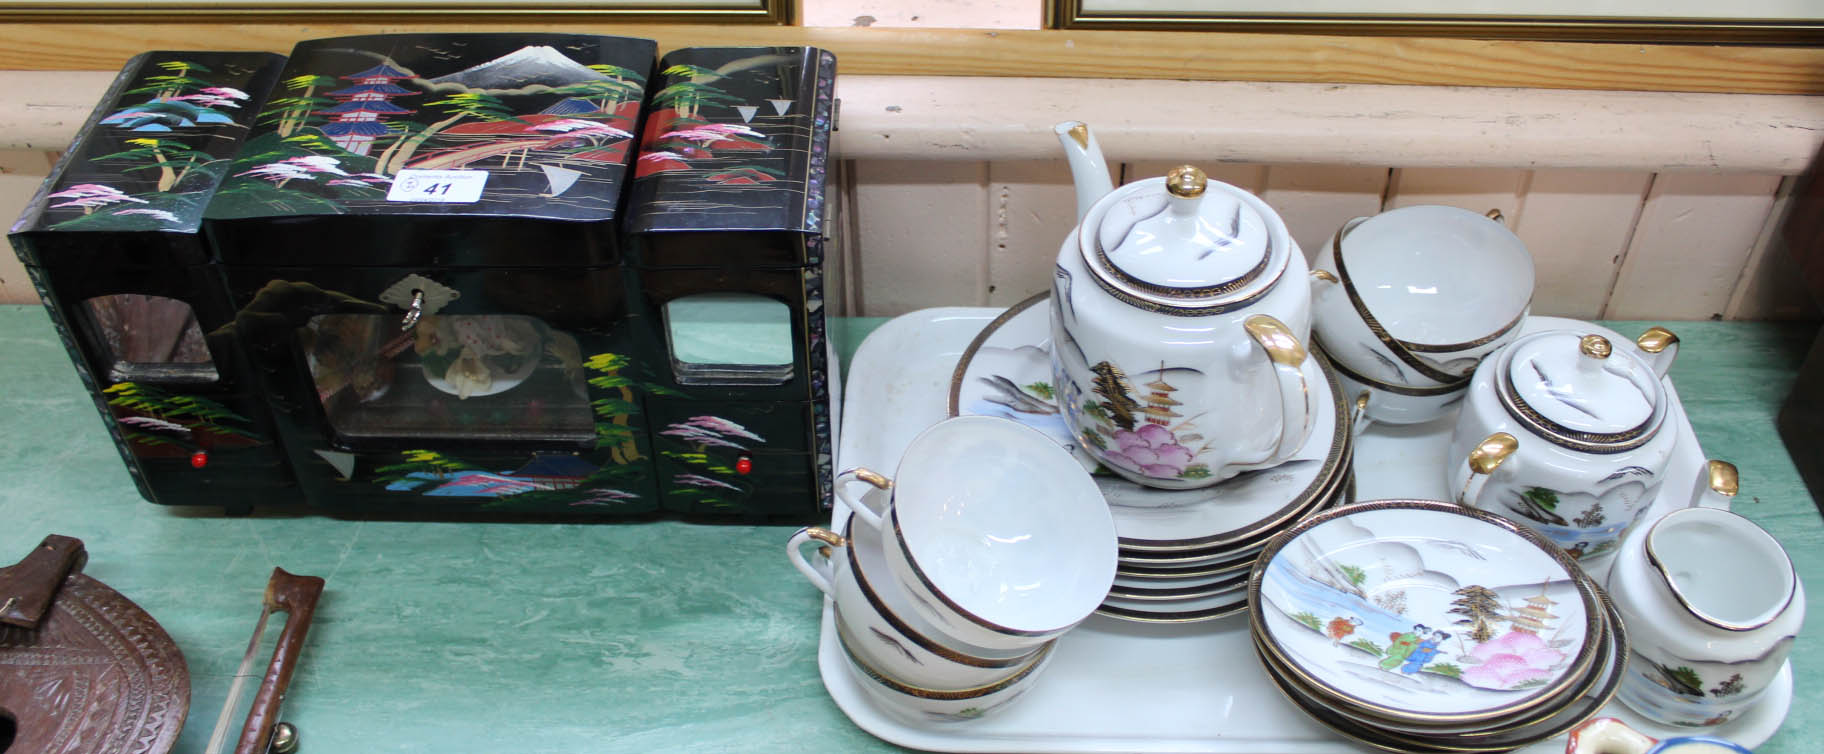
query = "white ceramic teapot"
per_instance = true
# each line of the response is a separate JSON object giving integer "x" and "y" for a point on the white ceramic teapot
{"x": 1179, "y": 313}
{"x": 1561, "y": 431}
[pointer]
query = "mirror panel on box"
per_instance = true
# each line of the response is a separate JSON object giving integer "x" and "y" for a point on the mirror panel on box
{"x": 149, "y": 339}
{"x": 451, "y": 377}
{"x": 729, "y": 339}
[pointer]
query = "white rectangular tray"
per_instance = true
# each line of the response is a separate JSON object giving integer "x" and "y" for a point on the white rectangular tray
{"x": 1115, "y": 686}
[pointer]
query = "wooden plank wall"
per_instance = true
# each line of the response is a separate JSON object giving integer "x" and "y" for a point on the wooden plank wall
{"x": 1624, "y": 245}
{"x": 921, "y": 233}
{"x": 20, "y": 173}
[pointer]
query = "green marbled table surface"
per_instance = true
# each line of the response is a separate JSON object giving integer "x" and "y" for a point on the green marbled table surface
{"x": 657, "y": 636}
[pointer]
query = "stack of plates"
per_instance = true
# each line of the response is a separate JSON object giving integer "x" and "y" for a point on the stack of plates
{"x": 1185, "y": 555}
{"x": 1419, "y": 626}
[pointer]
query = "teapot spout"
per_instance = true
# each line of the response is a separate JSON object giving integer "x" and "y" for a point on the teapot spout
{"x": 1088, "y": 169}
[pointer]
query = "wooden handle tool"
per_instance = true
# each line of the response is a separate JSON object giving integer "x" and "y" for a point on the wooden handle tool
{"x": 296, "y": 596}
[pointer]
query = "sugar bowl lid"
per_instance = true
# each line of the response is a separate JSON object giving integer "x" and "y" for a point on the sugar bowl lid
{"x": 1183, "y": 240}
{"x": 1579, "y": 389}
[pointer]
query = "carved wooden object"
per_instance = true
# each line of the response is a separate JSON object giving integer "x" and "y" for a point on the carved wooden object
{"x": 26, "y": 589}
{"x": 97, "y": 675}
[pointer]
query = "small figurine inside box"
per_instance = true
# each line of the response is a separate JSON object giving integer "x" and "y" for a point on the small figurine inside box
{"x": 434, "y": 272}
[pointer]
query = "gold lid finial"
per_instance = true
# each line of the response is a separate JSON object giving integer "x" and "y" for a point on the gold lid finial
{"x": 1595, "y": 345}
{"x": 1186, "y": 181}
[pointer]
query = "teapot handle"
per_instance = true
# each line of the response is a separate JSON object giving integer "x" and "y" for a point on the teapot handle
{"x": 1483, "y": 459}
{"x": 1288, "y": 356}
{"x": 1660, "y": 347}
{"x": 1717, "y": 484}
{"x": 1607, "y": 735}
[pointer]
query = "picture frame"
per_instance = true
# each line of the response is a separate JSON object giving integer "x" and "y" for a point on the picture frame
{"x": 1751, "y": 22}
{"x": 776, "y": 12}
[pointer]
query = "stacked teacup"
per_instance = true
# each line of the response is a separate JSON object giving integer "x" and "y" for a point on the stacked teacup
{"x": 1408, "y": 302}
{"x": 952, "y": 581}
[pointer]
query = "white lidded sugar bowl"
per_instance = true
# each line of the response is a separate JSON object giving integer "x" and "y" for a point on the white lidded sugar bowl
{"x": 1179, "y": 313}
{"x": 1712, "y": 605}
{"x": 1565, "y": 431}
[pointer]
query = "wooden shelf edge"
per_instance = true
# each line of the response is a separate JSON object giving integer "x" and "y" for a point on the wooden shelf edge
{"x": 894, "y": 117}
{"x": 986, "y": 119}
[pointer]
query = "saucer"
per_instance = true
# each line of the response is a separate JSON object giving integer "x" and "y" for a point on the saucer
{"x": 1599, "y": 685}
{"x": 1195, "y": 616}
{"x": 1562, "y": 714}
{"x": 1192, "y": 599}
{"x": 1006, "y": 372}
{"x": 1138, "y": 570}
{"x": 1183, "y": 611}
{"x": 1401, "y": 574}
{"x": 1221, "y": 579}
{"x": 1179, "y": 594}
{"x": 1240, "y": 554}
{"x": 1577, "y": 711}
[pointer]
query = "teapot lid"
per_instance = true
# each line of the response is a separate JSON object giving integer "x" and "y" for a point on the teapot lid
{"x": 1183, "y": 242}
{"x": 1576, "y": 387}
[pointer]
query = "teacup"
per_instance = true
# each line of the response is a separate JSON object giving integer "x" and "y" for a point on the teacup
{"x": 939, "y": 705}
{"x": 1376, "y": 401}
{"x": 998, "y": 536}
{"x": 1713, "y": 604}
{"x": 1607, "y": 735}
{"x": 1409, "y": 301}
{"x": 890, "y": 636}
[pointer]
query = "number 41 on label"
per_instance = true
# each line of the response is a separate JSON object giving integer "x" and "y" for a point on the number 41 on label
{"x": 442, "y": 186}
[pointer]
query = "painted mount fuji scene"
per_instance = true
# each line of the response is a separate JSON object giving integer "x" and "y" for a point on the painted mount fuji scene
{"x": 1461, "y": 619}
{"x": 550, "y": 118}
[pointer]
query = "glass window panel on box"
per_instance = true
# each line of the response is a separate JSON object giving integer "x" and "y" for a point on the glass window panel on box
{"x": 450, "y": 377}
